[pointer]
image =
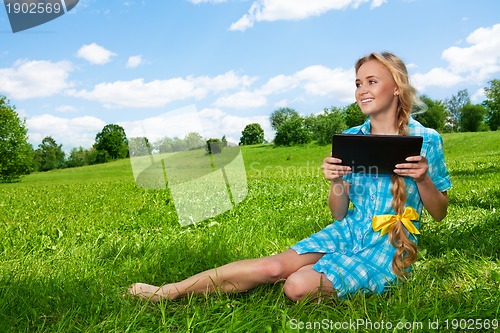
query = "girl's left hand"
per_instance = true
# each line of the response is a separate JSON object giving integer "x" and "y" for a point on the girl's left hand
{"x": 416, "y": 170}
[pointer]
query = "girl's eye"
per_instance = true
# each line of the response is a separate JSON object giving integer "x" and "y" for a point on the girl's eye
{"x": 372, "y": 81}
{"x": 358, "y": 85}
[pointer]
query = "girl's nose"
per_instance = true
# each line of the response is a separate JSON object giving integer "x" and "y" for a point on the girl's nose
{"x": 362, "y": 90}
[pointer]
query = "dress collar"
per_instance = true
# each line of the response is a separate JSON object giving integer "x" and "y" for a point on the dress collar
{"x": 366, "y": 127}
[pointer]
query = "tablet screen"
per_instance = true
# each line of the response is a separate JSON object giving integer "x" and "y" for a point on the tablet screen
{"x": 374, "y": 154}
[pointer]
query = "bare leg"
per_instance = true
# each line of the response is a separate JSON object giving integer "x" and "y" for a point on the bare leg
{"x": 306, "y": 282}
{"x": 237, "y": 276}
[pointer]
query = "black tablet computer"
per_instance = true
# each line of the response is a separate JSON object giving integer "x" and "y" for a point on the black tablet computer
{"x": 374, "y": 154}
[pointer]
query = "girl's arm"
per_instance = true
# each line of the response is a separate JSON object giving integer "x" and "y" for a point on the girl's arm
{"x": 338, "y": 198}
{"x": 434, "y": 201}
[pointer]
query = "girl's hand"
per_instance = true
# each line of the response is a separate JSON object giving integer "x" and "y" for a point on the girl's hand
{"x": 416, "y": 170}
{"x": 333, "y": 170}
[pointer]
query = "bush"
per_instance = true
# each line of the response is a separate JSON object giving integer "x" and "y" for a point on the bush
{"x": 292, "y": 131}
{"x": 16, "y": 154}
{"x": 214, "y": 146}
{"x": 472, "y": 118}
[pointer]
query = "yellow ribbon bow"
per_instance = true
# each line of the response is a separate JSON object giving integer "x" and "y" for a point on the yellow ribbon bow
{"x": 385, "y": 222}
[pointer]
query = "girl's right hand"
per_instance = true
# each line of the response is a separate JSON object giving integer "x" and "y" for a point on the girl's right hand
{"x": 333, "y": 170}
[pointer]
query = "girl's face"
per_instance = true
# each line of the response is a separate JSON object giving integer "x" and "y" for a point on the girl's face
{"x": 376, "y": 90}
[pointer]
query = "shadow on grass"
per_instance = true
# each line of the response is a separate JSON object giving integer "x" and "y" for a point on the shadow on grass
{"x": 486, "y": 200}
{"x": 479, "y": 240}
{"x": 475, "y": 170}
{"x": 63, "y": 304}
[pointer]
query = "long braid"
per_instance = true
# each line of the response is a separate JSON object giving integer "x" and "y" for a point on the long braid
{"x": 406, "y": 250}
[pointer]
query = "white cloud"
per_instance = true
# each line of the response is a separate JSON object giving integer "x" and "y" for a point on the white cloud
{"x": 209, "y": 123}
{"x": 481, "y": 59}
{"x": 316, "y": 80}
{"x": 29, "y": 79}
{"x": 218, "y": 123}
{"x": 244, "y": 23}
{"x": 242, "y": 99}
{"x": 475, "y": 63}
{"x": 322, "y": 81}
{"x": 66, "y": 109}
{"x": 134, "y": 61}
{"x": 137, "y": 93}
{"x": 176, "y": 123}
{"x": 73, "y": 132}
{"x": 439, "y": 77}
{"x": 280, "y": 83}
{"x": 377, "y": 3}
{"x": 226, "y": 81}
{"x": 478, "y": 96}
{"x": 95, "y": 54}
{"x": 274, "y": 10}
{"x": 281, "y": 103}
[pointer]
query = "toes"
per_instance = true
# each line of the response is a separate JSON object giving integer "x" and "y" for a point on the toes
{"x": 145, "y": 292}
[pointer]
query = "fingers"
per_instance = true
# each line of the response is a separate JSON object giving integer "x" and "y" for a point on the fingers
{"x": 333, "y": 169}
{"x": 416, "y": 162}
{"x": 416, "y": 159}
{"x": 416, "y": 168}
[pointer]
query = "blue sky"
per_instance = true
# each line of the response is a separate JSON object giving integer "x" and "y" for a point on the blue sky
{"x": 166, "y": 68}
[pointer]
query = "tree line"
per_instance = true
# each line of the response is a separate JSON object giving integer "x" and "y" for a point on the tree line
{"x": 18, "y": 157}
{"x": 140, "y": 146}
{"x": 455, "y": 114}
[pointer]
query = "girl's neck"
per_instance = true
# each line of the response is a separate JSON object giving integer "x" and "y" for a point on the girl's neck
{"x": 383, "y": 124}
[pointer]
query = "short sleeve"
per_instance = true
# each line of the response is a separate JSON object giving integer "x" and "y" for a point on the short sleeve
{"x": 433, "y": 150}
{"x": 348, "y": 178}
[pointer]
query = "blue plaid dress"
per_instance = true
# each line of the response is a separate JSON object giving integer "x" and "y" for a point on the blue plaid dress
{"x": 356, "y": 257}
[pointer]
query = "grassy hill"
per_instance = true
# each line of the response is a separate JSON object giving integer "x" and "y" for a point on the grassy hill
{"x": 73, "y": 240}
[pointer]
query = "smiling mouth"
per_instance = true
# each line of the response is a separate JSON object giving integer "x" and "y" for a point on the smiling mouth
{"x": 366, "y": 100}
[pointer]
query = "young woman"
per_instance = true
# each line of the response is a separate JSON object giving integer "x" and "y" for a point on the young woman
{"x": 369, "y": 246}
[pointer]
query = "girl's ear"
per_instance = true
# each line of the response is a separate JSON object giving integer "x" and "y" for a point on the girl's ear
{"x": 396, "y": 91}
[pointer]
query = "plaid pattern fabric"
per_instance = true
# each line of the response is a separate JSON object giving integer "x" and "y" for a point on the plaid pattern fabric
{"x": 357, "y": 258}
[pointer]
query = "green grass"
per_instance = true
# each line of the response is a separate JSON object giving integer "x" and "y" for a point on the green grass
{"x": 72, "y": 241}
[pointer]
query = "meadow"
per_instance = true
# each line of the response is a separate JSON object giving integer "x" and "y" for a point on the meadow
{"x": 73, "y": 240}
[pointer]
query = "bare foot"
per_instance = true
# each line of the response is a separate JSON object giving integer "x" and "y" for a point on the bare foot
{"x": 147, "y": 292}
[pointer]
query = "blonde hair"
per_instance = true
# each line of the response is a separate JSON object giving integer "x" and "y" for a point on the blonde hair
{"x": 406, "y": 250}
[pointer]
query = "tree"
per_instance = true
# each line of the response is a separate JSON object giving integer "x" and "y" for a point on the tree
{"x": 280, "y": 116}
{"x": 78, "y": 157}
{"x": 49, "y": 155}
{"x": 178, "y": 145}
{"x": 111, "y": 143}
{"x": 455, "y": 105}
{"x": 472, "y": 118}
{"x": 194, "y": 140}
{"x": 214, "y": 146}
{"x": 324, "y": 125}
{"x": 139, "y": 146}
{"x": 292, "y": 131}
{"x": 252, "y": 134}
{"x": 224, "y": 141}
{"x": 16, "y": 154}
{"x": 164, "y": 145}
{"x": 492, "y": 103}
{"x": 353, "y": 115}
{"x": 435, "y": 116}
